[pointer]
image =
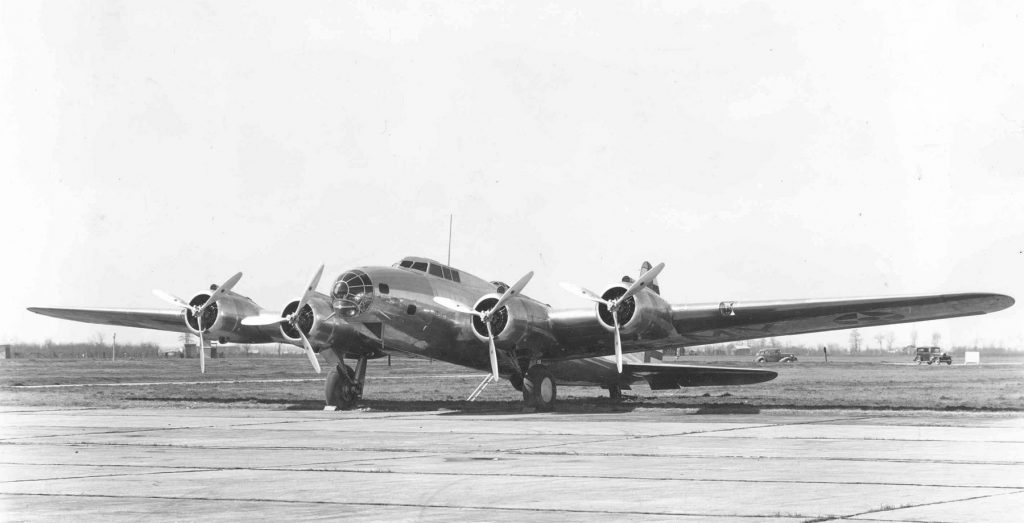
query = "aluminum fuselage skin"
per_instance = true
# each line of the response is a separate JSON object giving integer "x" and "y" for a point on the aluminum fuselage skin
{"x": 411, "y": 322}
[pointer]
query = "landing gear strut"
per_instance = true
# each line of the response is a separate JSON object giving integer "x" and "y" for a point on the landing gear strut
{"x": 615, "y": 392}
{"x": 344, "y": 386}
{"x": 539, "y": 390}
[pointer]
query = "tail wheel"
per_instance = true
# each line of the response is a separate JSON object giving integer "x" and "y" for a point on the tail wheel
{"x": 539, "y": 389}
{"x": 340, "y": 389}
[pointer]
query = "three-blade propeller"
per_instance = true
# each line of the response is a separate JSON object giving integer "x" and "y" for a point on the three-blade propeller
{"x": 488, "y": 315}
{"x": 613, "y": 304}
{"x": 293, "y": 318}
{"x": 197, "y": 310}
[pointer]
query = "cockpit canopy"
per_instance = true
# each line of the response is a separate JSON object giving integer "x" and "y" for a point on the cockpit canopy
{"x": 431, "y": 267}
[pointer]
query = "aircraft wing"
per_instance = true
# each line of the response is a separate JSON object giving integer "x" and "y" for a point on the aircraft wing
{"x": 165, "y": 320}
{"x": 735, "y": 321}
{"x": 661, "y": 376}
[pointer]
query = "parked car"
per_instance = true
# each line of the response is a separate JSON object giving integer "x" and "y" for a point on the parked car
{"x": 773, "y": 355}
{"x": 931, "y": 355}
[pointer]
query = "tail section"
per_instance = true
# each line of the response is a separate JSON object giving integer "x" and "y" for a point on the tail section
{"x": 654, "y": 284}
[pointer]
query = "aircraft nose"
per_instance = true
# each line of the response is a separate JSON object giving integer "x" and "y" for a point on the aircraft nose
{"x": 352, "y": 293}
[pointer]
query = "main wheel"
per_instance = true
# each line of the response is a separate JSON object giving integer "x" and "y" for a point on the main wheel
{"x": 539, "y": 389}
{"x": 340, "y": 388}
{"x": 759, "y": 360}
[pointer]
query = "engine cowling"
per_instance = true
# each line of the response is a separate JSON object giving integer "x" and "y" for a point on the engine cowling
{"x": 316, "y": 321}
{"x": 517, "y": 321}
{"x": 223, "y": 318}
{"x": 644, "y": 314}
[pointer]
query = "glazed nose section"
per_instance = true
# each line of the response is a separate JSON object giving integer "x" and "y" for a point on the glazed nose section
{"x": 352, "y": 294}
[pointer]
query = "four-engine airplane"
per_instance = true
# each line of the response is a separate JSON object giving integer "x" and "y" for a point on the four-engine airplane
{"x": 422, "y": 307}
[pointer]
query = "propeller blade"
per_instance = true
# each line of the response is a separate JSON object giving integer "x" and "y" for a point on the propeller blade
{"x": 641, "y": 282}
{"x": 512, "y": 291}
{"x": 493, "y": 352}
{"x": 581, "y": 292}
{"x": 202, "y": 351}
{"x": 311, "y": 288}
{"x": 455, "y": 306}
{"x": 262, "y": 319}
{"x": 222, "y": 290}
{"x": 309, "y": 351}
{"x": 170, "y": 298}
{"x": 618, "y": 342}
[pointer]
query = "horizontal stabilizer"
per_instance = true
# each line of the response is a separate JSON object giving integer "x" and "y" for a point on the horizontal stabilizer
{"x": 662, "y": 376}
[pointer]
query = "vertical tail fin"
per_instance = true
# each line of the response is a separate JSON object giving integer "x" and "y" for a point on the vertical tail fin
{"x": 654, "y": 284}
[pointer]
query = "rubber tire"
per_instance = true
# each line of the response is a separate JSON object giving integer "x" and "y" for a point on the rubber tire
{"x": 539, "y": 389}
{"x": 760, "y": 360}
{"x": 339, "y": 389}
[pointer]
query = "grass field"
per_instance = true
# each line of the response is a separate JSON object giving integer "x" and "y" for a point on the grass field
{"x": 413, "y": 384}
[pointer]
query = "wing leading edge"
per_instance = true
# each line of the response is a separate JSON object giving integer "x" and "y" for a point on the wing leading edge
{"x": 734, "y": 321}
{"x": 165, "y": 320}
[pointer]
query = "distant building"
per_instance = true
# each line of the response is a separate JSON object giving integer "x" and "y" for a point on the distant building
{"x": 741, "y": 350}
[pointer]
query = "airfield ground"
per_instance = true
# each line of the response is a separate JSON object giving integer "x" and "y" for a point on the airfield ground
{"x": 415, "y": 384}
{"x": 852, "y": 440}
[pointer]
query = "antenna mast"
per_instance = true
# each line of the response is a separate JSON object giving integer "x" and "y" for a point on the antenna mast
{"x": 450, "y": 218}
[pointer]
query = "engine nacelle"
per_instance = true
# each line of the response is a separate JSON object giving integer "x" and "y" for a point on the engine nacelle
{"x": 321, "y": 327}
{"x": 518, "y": 320}
{"x": 644, "y": 314}
{"x": 223, "y": 318}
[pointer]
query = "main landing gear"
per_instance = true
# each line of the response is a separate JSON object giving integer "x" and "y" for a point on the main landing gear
{"x": 344, "y": 386}
{"x": 539, "y": 390}
{"x": 615, "y": 392}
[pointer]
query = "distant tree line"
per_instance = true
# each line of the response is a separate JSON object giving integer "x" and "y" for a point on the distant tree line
{"x": 134, "y": 351}
{"x": 858, "y": 346}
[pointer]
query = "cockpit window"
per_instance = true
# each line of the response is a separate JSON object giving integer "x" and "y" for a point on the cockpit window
{"x": 420, "y": 266}
{"x": 455, "y": 276}
{"x": 436, "y": 270}
{"x": 406, "y": 263}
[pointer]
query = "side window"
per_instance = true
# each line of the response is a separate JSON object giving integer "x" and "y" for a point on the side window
{"x": 436, "y": 270}
{"x": 447, "y": 273}
{"x": 455, "y": 276}
{"x": 383, "y": 288}
{"x": 406, "y": 263}
{"x": 420, "y": 266}
{"x": 411, "y": 310}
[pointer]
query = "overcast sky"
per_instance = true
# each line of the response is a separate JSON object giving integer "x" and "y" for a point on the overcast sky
{"x": 762, "y": 150}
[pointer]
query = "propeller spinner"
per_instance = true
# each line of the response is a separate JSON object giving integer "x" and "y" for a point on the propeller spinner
{"x": 614, "y": 304}
{"x": 488, "y": 315}
{"x": 197, "y": 310}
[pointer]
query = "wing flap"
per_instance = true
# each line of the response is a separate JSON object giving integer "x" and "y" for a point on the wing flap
{"x": 165, "y": 320}
{"x": 663, "y": 376}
